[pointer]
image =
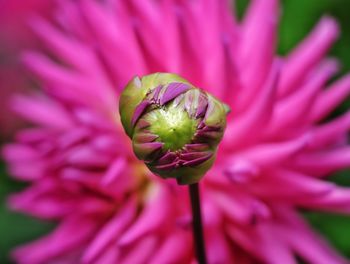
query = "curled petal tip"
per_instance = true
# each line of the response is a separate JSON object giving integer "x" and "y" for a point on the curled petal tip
{"x": 172, "y": 91}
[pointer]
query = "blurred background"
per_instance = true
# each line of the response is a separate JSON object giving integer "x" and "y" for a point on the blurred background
{"x": 297, "y": 19}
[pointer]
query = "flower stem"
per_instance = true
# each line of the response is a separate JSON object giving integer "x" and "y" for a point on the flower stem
{"x": 197, "y": 224}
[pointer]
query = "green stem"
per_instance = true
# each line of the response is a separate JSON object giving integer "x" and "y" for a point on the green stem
{"x": 197, "y": 224}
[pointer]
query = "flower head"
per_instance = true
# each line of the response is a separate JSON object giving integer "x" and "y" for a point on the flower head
{"x": 174, "y": 126}
{"x": 272, "y": 161}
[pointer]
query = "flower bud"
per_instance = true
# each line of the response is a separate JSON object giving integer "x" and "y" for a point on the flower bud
{"x": 175, "y": 127}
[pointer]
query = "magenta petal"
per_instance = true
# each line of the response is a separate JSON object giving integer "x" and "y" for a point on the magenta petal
{"x": 156, "y": 92}
{"x": 173, "y": 249}
{"x": 141, "y": 251}
{"x": 167, "y": 158}
{"x": 139, "y": 111}
{"x": 198, "y": 161}
{"x": 202, "y": 106}
{"x": 196, "y": 147}
{"x": 189, "y": 103}
{"x": 114, "y": 172}
{"x": 170, "y": 166}
{"x": 195, "y": 155}
{"x": 172, "y": 91}
{"x": 18, "y": 152}
{"x": 211, "y": 128}
{"x": 109, "y": 232}
{"x": 153, "y": 216}
{"x": 203, "y": 135}
{"x": 145, "y": 149}
{"x": 178, "y": 100}
{"x": 144, "y": 137}
{"x": 55, "y": 244}
{"x": 142, "y": 124}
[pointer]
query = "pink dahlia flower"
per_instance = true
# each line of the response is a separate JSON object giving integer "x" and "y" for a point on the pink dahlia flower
{"x": 273, "y": 161}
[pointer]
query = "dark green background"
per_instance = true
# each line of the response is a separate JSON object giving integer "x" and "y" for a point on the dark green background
{"x": 297, "y": 19}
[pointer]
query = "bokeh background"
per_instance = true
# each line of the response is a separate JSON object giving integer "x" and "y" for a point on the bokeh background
{"x": 297, "y": 19}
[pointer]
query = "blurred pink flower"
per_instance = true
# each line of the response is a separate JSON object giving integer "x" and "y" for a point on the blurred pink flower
{"x": 14, "y": 36}
{"x": 14, "y": 16}
{"x": 273, "y": 161}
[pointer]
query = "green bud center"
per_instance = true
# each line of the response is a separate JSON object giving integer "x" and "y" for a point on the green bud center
{"x": 173, "y": 126}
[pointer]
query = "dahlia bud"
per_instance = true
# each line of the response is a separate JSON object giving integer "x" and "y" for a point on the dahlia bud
{"x": 175, "y": 127}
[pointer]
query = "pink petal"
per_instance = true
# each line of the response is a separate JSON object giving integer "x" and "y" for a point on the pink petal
{"x": 338, "y": 200}
{"x": 65, "y": 47}
{"x": 173, "y": 249}
{"x": 323, "y": 163}
{"x": 300, "y": 187}
{"x": 141, "y": 251}
{"x": 331, "y": 98}
{"x": 295, "y": 109}
{"x": 308, "y": 54}
{"x": 19, "y": 152}
{"x": 85, "y": 156}
{"x": 307, "y": 244}
{"x": 218, "y": 250}
{"x": 113, "y": 39}
{"x": 61, "y": 241}
{"x": 43, "y": 111}
{"x": 153, "y": 216}
{"x": 329, "y": 133}
{"x": 241, "y": 208}
{"x": 114, "y": 171}
{"x": 273, "y": 249}
{"x": 259, "y": 26}
{"x": 274, "y": 153}
{"x": 109, "y": 233}
{"x": 237, "y": 132}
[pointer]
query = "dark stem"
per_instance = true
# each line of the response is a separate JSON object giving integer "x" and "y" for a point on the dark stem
{"x": 197, "y": 224}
